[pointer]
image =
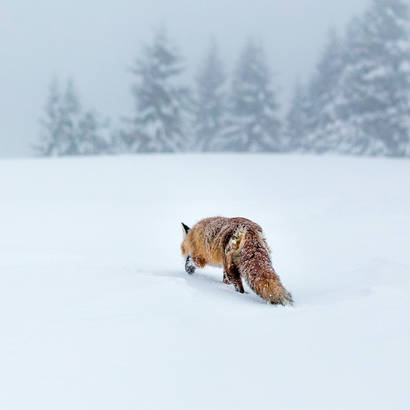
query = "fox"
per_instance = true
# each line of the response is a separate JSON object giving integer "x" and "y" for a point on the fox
{"x": 240, "y": 248}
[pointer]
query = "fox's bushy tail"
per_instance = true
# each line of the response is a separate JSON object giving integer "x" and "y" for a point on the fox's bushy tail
{"x": 256, "y": 268}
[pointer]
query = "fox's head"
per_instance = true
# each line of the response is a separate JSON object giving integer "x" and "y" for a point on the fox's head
{"x": 185, "y": 230}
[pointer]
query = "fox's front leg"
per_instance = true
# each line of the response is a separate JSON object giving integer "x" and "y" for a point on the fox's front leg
{"x": 194, "y": 261}
{"x": 189, "y": 265}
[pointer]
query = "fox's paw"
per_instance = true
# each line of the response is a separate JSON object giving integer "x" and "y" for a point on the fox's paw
{"x": 190, "y": 269}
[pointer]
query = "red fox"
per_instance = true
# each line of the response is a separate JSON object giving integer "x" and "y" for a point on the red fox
{"x": 237, "y": 245}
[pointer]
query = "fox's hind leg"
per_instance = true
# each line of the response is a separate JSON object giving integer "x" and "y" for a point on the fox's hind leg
{"x": 226, "y": 279}
{"x": 231, "y": 274}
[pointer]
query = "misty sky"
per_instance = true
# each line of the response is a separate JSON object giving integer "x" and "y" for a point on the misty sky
{"x": 96, "y": 41}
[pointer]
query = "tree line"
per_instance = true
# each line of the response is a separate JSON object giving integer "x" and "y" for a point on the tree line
{"x": 357, "y": 101}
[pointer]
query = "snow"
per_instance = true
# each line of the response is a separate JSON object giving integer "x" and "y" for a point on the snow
{"x": 96, "y": 311}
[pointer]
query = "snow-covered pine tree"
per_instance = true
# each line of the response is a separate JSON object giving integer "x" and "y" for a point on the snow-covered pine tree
{"x": 376, "y": 82}
{"x": 298, "y": 120}
{"x": 210, "y": 102}
{"x": 58, "y": 126}
{"x": 51, "y": 125}
{"x": 253, "y": 124}
{"x": 93, "y": 135}
{"x": 70, "y": 114}
{"x": 65, "y": 129}
{"x": 162, "y": 104}
{"x": 325, "y": 93}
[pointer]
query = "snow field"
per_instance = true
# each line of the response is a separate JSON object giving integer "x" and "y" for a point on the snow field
{"x": 97, "y": 312}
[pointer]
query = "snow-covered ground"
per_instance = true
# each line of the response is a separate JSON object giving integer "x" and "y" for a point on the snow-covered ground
{"x": 96, "y": 311}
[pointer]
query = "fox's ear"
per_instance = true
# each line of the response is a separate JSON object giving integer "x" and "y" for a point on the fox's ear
{"x": 185, "y": 229}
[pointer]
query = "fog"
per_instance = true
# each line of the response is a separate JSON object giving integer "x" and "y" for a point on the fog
{"x": 95, "y": 43}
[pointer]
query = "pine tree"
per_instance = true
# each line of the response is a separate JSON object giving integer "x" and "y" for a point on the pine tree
{"x": 51, "y": 125}
{"x": 161, "y": 102}
{"x": 70, "y": 109}
{"x": 298, "y": 120}
{"x": 210, "y": 104}
{"x": 325, "y": 93}
{"x": 254, "y": 124}
{"x": 66, "y": 129}
{"x": 58, "y": 135}
{"x": 93, "y": 135}
{"x": 376, "y": 84}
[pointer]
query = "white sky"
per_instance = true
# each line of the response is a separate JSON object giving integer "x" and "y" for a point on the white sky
{"x": 96, "y": 41}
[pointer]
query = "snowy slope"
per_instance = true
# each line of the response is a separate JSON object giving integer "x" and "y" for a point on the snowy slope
{"x": 96, "y": 311}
